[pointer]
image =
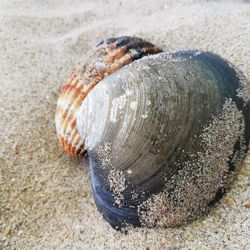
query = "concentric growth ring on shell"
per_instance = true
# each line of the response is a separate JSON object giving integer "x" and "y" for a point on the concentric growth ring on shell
{"x": 166, "y": 136}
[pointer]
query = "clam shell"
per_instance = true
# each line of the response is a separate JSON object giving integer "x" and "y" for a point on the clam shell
{"x": 108, "y": 56}
{"x": 164, "y": 135}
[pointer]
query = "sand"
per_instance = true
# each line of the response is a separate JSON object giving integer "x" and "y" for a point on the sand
{"x": 46, "y": 198}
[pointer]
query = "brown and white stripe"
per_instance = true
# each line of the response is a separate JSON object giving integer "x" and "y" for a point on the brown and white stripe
{"x": 107, "y": 57}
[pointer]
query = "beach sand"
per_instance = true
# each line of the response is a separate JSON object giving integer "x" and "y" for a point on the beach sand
{"x": 46, "y": 199}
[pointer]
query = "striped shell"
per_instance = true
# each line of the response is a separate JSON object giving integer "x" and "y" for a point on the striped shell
{"x": 108, "y": 56}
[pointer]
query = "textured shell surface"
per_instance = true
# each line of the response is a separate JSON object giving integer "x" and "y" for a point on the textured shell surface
{"x": 108, "y": 56}
{"x": 164, "y": 136}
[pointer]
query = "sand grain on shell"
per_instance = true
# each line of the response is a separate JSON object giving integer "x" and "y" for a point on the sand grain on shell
{"x": 198, "y": 180}
{"x": 46, "y": 200}
{"x": 117, "y": 183}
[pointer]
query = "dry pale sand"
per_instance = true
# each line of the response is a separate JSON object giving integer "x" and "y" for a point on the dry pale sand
{"x": 46, "y": 199}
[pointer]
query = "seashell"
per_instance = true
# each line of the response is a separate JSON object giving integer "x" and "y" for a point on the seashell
{"x": 108, "y": 56}
{"x": 164, "y": 136}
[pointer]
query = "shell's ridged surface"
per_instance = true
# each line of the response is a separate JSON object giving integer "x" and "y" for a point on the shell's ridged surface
{"x": 164, "y": 135}
{"x": 108, "y": 56}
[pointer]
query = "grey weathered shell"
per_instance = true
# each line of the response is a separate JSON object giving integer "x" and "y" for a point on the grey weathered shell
{"x": 164, "y": 135}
